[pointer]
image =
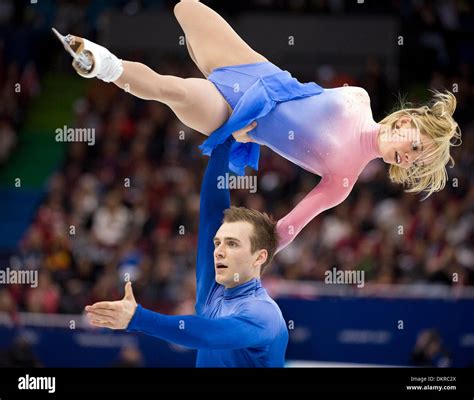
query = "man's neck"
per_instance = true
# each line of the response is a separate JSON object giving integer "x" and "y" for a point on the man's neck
{"x": 241, "y": 283}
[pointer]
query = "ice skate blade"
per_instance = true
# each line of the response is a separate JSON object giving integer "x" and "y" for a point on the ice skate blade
{"x": 76, "y": 53}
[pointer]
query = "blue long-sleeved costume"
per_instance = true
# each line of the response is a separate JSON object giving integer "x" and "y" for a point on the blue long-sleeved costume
{"x": 236, "y": 327}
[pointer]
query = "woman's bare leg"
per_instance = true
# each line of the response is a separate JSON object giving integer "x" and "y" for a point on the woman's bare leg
{"x": 211, "y": 41}
{"x": 196, "y": 102}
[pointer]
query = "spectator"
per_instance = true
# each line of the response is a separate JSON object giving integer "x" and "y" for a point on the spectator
{"x": 110, "y": 221}
{"x": 429, "y": 351}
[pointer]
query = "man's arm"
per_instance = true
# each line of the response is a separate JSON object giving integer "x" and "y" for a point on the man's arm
{"x": 214, "y": 200}
{"x": 257, "y": 325}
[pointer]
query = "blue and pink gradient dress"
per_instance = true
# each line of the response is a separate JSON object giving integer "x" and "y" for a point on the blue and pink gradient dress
{"x": 329, "y": 132}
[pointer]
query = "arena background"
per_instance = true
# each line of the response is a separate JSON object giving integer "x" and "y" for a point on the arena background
{"x": 144, "y": 170}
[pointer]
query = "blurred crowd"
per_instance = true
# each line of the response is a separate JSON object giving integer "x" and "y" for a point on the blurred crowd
{"x": 128, "y": 207}
{"x": 19, "y": 84}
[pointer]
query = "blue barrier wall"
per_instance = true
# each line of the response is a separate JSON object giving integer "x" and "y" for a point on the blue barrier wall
{"x": 377, "y": 330}
{"x": 349, "y": 330}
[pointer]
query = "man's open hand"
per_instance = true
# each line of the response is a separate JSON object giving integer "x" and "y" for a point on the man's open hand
{"x": 113, "y": 314}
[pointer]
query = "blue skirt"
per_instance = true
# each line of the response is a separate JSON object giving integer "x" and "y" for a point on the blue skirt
{"x": 252, "y": 90}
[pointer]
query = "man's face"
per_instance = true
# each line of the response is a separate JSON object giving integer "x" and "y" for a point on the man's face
{"x": 234, "y": 262}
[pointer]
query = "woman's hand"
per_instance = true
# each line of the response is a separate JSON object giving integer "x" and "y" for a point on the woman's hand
{"x": 242, "y": 136}
{"x": 113, "y": 314}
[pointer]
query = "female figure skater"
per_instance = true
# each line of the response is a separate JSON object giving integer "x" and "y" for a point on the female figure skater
{"x": 330, "y": 132}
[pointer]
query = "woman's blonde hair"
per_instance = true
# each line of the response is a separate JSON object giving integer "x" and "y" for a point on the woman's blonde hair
{"x": 436, "y": 121}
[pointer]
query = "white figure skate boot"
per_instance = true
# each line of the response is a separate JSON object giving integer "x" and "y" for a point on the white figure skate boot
{"x": 91, "y": 60}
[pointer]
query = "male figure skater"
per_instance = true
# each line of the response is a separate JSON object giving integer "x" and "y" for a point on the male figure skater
{"x": 237, "y": 323}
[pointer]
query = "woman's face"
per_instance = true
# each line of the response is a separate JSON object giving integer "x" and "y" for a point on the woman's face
{"x": 403, "y": 145}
